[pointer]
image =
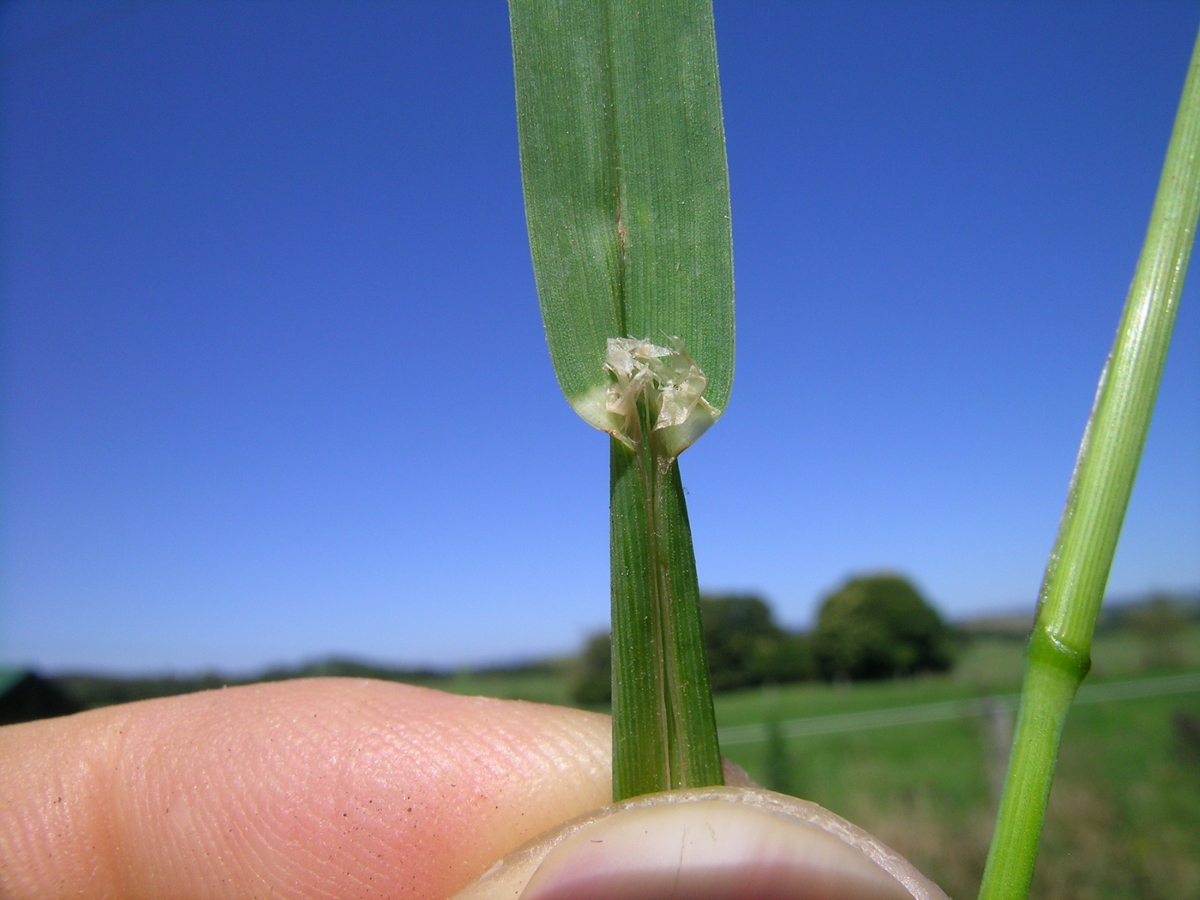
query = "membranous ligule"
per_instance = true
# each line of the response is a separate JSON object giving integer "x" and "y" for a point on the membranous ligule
{"x": 666, "y": 382}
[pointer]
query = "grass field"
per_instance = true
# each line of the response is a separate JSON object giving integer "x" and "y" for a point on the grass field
{"x": 1124, "y": 819}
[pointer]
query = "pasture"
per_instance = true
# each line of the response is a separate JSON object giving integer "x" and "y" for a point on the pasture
{"x": 1124, "y": 817}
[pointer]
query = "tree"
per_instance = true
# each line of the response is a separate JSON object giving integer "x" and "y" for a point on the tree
{"x": 737, "y": 629}
{"x": 746, "y": 647}
{"x": 592, "y": 683}
{"x": 879, "y": 626}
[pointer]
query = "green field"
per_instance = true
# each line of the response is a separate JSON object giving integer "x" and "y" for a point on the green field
{"x": 1124, "y": 819}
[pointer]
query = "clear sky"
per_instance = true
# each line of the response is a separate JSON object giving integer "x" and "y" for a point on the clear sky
{"x": 275, "y": 385}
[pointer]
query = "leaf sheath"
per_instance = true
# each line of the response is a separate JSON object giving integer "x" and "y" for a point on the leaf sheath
{"x": 665, "y": 732}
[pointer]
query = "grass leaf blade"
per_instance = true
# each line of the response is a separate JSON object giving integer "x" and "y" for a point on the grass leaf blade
{"x": 626, "y": 184}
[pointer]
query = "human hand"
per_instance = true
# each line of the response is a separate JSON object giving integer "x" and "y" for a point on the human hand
{"x": 310, "y": 788}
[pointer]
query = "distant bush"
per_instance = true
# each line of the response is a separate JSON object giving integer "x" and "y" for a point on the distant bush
{"x": 879, "y": 626}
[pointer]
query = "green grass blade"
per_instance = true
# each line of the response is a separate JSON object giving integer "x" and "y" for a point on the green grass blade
{"x": 569, "y": 169}
{"x": 626, "y": 186}
{"x": 1058, "y": 653}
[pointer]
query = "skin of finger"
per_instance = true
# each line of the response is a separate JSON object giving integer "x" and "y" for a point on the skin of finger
{"x": 313, "y": 788}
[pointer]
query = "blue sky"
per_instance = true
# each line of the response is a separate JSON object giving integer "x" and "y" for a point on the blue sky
{"x": 274, "y": 380}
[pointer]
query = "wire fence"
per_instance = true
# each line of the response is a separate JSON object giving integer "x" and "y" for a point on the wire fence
{"x": 952, "y": 709}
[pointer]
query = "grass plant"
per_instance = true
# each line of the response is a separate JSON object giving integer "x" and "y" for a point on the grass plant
{"x": 627, "y": 202}
{"x": 1059, "y": 648}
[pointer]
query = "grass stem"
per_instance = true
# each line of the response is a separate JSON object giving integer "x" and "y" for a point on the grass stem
{"x": 1057, "y": 658}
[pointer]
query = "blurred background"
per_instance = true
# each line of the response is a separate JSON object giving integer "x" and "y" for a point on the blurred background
{"x": 276, "y": 398}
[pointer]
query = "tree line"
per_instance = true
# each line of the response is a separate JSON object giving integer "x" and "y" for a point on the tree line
{"x": 874, "y": 626}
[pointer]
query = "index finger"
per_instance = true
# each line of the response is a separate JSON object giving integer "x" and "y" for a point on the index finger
{"x": 312, "y": 788}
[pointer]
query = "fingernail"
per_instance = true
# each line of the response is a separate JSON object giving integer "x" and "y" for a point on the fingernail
{"x": 713, "y": 844}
